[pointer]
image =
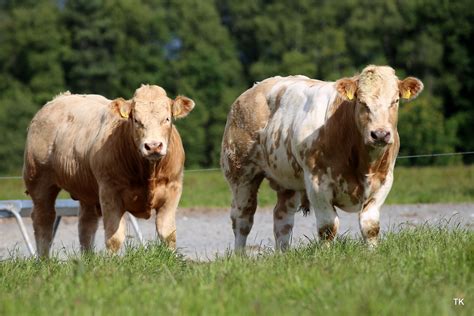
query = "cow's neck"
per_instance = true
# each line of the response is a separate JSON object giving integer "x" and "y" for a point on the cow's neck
{"x": 343, "y": 140}
{"x": 139, "y": 170}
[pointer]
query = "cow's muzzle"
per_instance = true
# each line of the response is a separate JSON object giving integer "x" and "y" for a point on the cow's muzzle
{"x": 154, "y": 150}
{"x": 380, "y": 137}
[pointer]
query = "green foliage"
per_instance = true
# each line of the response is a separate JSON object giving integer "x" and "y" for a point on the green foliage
{"x": 204, "y": 67}
{"x": 32, "y": 45}
{"x": 116, "y": 46}
{"x": 213, "y": 50}
{"x": 329, "y": 39}
{"x": 423, "y": 127}
{"x": 32, "y": 48}
{"x": 17, "y": 107}
{"x": 413, "y": 272}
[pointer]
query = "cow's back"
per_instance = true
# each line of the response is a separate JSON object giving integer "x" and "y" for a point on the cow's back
{"x": 268, "y": 124}
{"x": 60, "y": 138}
{"x": 249, "y": 115}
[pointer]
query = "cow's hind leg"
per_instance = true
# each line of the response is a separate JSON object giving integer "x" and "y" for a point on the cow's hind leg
{"x": 284, "y": 218}
{"x": 88, "y": 224}
{"x": 244, "y": 205}
{"x": 44, "y": 214}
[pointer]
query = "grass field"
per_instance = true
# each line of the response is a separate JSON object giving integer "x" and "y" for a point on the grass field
{"x": 454, "y": 184}
{"x": 415, "y": 272}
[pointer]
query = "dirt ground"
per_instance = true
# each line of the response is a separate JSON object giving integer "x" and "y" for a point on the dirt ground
{"x": 204, "y": 233}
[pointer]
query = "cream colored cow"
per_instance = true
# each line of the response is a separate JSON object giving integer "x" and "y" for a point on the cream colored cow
{"x": 112, "y": 156}
{"x": 320, "y": 144}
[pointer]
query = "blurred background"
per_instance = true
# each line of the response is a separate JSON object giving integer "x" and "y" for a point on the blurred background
{"x": 212, "y": 50}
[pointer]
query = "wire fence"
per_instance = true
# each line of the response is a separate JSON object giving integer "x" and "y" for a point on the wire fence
{"x": 217, "y": 169}
{"x": 437, "y": 155}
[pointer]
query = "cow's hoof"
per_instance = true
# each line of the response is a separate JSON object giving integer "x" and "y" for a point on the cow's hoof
{"x": 170, "y": 241}
{"x": 372, "y": 243}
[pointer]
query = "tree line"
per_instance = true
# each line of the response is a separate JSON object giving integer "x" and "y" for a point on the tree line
{"x": 212, "y": 50}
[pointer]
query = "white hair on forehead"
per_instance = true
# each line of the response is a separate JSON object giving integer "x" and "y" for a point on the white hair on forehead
{"x": 149, "y": 92}
{"x": 374, "y": 80}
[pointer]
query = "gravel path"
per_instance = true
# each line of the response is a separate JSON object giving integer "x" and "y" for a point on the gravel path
{"x": 203, "y": 233}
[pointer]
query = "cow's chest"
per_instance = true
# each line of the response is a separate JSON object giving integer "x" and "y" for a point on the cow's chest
{"x": 136, "y": 201}
{"x": 350, "y": 193}
{"x": 348, "y": 197}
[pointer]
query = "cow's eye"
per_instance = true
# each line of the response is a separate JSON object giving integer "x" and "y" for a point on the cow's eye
{"x": 364, "y": 106}
{"x": 167, "y": 120}
{"x": 394, "y": 102}
{"x": 137, "y": 122}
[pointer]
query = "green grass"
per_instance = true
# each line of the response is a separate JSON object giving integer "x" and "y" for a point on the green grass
{"x": 453, "y": 184}
{"x": 414, "y": 272}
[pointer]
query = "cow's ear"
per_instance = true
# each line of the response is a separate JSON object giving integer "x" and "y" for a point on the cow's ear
{"x": 347, "y": 87}
{"x": 122, "y": 107}
{"x": 182, "y": 106}
{"x": 410, "y": 88}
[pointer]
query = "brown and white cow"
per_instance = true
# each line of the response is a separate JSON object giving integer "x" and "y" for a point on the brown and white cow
{"x": 320, "y": 144}
{"x": 112, "y": 156}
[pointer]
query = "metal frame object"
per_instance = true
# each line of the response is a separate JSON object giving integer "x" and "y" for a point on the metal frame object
{"x": 23, "y": 208}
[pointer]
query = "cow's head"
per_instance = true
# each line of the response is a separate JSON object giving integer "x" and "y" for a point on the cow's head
{"x": 376, "y": 93}
{"x": 150, "y": 113}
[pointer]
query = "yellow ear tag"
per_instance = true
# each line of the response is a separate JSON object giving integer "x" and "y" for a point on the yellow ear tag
{"x": 406, "y": 94}
{"x": 123, "y": 113}
{"x": 350, "y": 95}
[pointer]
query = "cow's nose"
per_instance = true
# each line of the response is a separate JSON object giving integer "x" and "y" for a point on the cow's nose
{"x": 380, "y": 135}
{"x": 153, "y": 147}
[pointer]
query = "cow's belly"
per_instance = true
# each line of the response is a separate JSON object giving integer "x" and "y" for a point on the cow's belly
{"x": 284, "y": 171}
{"x": 279, "y": 163}
{"x": 284, "y": 178}
{"x": 136, "y": 202}
{"x": 80, "y": 187}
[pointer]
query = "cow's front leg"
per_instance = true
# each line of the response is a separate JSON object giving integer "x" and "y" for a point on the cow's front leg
{"x": 114, "y": 226}
{"x": 369, "y": 217}
{"x": 114, "y": 221}
{"x": 327, "y": 221}
{"x": 320, "y": 194}
{"x": 166, "y": 215}
{"x": 284, "y": 218}
{"x": 370, "y": 225}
